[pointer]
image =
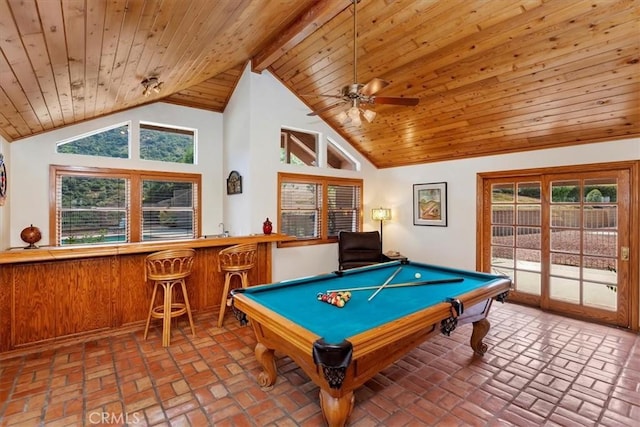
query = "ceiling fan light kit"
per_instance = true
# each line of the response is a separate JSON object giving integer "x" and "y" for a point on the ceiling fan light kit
{"x": 357, "y": 94}
{"x": 353, "y": 115}
{"x": 151, "y": 84}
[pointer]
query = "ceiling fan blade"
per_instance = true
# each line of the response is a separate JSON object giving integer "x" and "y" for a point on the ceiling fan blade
{"x": 373, "y": 86}
{"x": 395, "y": 100}
{"x": 327, "y": 108}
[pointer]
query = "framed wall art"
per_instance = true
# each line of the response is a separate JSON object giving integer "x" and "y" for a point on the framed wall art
{"x": 3, "y": 180}
{"x": 234, "y": 183}
{"x": 430, "y": 204}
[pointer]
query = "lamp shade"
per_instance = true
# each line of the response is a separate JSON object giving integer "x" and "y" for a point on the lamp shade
{"x": 342, "y": 117}
{"x": 369, "y": 115}
{"x": 380, "y": 214}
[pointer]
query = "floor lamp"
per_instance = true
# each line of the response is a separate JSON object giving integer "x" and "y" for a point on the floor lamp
{"x": 380, "y": 214}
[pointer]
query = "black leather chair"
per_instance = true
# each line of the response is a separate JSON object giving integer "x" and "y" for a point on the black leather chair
{"x": 359, "y": 248}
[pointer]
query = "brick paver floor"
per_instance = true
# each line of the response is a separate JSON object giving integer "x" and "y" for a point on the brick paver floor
{"x": 541, "y": 369}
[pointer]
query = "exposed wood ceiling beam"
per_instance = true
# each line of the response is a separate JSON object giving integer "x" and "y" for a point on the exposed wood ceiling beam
{"x": 313, "y": 18}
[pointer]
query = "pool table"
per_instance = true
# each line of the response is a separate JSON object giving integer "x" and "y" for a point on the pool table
{"x": 340, "y": 348}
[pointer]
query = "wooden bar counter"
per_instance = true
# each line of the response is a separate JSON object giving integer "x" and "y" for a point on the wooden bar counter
{"x": 53, "y": 294}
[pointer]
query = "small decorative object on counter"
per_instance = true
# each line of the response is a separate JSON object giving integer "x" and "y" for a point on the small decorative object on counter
{"x": 267, "y": 227}
{"x": 339, "y": 299}
{"x": 31, "y": 235}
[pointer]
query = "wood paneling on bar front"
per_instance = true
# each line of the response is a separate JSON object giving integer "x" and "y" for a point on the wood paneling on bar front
{"x": 53, "y": 294}
{"x": 54, "y": 299}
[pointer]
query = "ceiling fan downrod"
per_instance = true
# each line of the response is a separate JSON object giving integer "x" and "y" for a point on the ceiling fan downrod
{"x": 355, "y": 41}
{"x": 358, "y": 94}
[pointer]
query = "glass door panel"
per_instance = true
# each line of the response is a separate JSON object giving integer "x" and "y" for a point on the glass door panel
{"x": 516, "y": 233}
{"x": 502, "y": 229}
{"x": 528, "y": 282}
{"x": 502, "y": 192}
{"x": 600, "y": 296}
{"x": 601, "y": 269}
{"x": 565, "y": 215}
{"x": 600, "y": 243}
{"x": 502, "y": 235}
{"x": 563, "y": 236}
{"x": 583, "y": 242}
{"x": 565, "y": 265}
{"x": 565, "y": 191}
{"x": 565, "y": 241}
{"x": 565, "y": 289}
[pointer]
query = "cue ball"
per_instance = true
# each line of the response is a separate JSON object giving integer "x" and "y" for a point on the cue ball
{"x": 418, "y": 275}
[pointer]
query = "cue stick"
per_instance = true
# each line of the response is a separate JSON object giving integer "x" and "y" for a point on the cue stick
{"x": 402, "y": 285}
{"x": 395, "y": 273}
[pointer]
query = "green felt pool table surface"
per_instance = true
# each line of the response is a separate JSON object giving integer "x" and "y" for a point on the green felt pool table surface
{"x": 297, "y": 300}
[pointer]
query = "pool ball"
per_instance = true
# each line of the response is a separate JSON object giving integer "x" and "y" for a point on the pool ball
{"x": 418, "y": 275}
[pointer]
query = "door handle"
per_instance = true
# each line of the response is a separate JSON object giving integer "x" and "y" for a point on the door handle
{"x": 624, "y": 253}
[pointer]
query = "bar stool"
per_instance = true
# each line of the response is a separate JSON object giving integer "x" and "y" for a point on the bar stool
{"x": 167, "y": 269}
{"x": 235, "y": 261}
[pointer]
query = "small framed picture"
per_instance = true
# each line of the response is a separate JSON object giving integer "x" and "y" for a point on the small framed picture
{"x": 3, "y": 180}
{"x": 234, "y": 183}
{"x": 430, "y": 204}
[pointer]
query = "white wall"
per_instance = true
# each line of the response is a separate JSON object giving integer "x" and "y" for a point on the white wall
{"x": 4, "y": 210}
{"x": 31, "y": 157}
{"x": 271, "y": 106}
{"x": 237, "y": 148}
{"x": 454, "y": 245}
{"x": 247, "y": 139}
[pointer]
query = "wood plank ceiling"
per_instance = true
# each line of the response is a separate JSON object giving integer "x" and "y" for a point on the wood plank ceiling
{"x": 492, "y": 76}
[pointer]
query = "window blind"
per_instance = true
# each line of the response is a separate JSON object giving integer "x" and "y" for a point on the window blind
{"x": 316, "y": 208}
{"x": 91, "y": 209}
{"x": 343, "y": 209}
{"x": 168, "y": 210}
{"x": 300, "y": 207}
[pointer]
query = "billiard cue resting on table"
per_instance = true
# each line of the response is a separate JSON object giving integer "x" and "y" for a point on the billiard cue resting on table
{"x": 402, "y": 285}
{"x": 395, "y": 273}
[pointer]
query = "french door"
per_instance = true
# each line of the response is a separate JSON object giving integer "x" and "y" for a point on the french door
{"x": 564, "y": 238}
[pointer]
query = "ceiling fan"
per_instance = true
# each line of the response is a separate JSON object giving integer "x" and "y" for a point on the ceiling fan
{"x": 357, "y": 94}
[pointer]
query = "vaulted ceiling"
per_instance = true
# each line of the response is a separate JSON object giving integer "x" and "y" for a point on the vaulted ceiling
{"x": 492, "y": 76}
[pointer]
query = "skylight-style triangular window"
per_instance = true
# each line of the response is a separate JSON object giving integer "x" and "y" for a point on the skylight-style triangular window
{"x": 106, "y": 142}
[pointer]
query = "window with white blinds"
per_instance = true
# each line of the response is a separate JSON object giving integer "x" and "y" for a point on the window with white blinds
{"x": 168, "y": 210}
{"x": 316, "y": 208}
{"x": 91, "y": 209}
{"x": 96, "y": 206}
{"x": 301, "y": 209}
{"x": 343, "y": 208}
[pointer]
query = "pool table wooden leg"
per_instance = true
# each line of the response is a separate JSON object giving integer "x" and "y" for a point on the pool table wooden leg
{"x": 265, "y": 356}
{"x": 480, "y": 330}
{"x": 336, "y": 410}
